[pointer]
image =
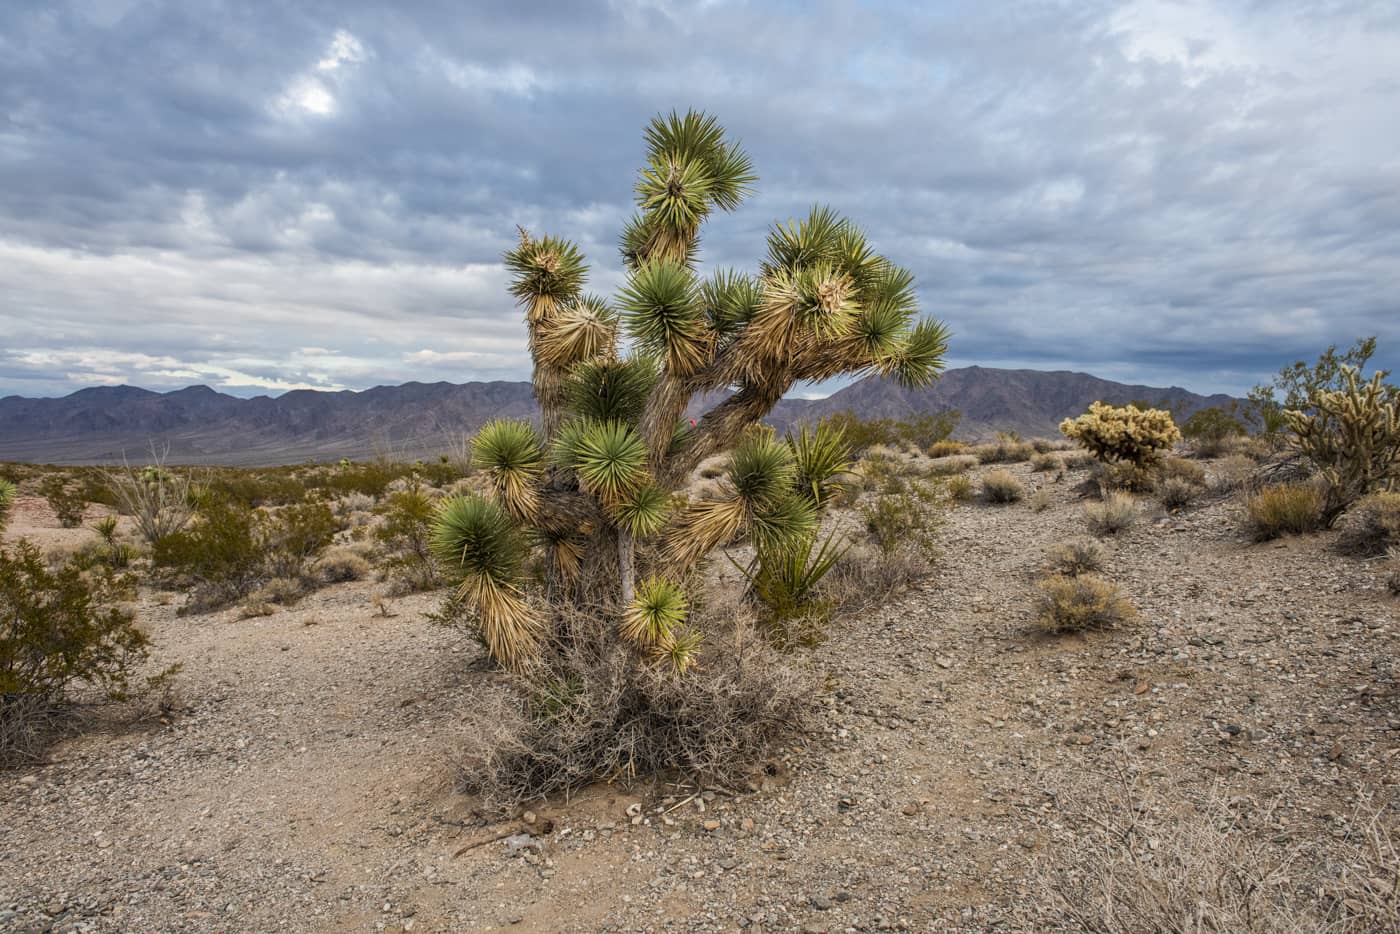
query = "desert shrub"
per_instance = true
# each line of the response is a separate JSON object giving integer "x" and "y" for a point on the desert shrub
{"x": 591, "y": 711}
{"x": 347, "y": 506}
{"x": 920, "y": 431}
{"x": 161, "y": 501}
{"x": 1211, "y": 430}
{"x": 58, "y": 629}
{"x": 294, "y": 535}
{"x": 960, "y": 489}
{"x": 371, "y": 478}
{"x": 1179, "y": 468}
{"x": 865, "y": 577}
{"x": 339, "y": 565}
{"x": 1046, "y": 462}
{"x": 1079, "y": 556}
{"x": 952, "y": 464}
{"x": 1372, "y": 527}
{"x": 1081, "y": 602}
{"x": 1041, "y": 500}
{"x": 1007, "y": 449}
{"x": 1115, "y": 513}
{"x": 64, "y": 499}
{"x": 252, "y": 488}
{"x": 1352, "y": 435}
{"x": 282, "y": 591}
{"x": 1392, "y": 568}
{"x": 1001, "y": 486}
{"x": 1117, "y": 434}
{"x": 8, "y": 494}
{"x": 1285, "y": 509}
{"x": 909, "y": 518}
{"x": 946, "y": 448}
{"x": 1175, "y": 493}
{"x": 1079, "y": 460}
{"x": 219, "y": 554}
{"x": 1125, "y": 476}
{"x": 1232, "y": 473}
{"x": 406, "y": 533}
{"x": 1138, "y": 862}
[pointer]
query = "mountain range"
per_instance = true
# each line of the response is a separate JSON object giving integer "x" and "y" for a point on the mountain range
{"x": 202, "y": 426}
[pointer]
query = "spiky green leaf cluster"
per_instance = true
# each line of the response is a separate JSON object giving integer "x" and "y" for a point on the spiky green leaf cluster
{"x": 661, "y": 308}
{"x": 612, "y": 390}
{"x": 610, "y": 461}
{"x": 509, "y": 450}
{"x": 545, "y": 272}
{"x": 658, "y": 608}
{"x": 821, "y": 455}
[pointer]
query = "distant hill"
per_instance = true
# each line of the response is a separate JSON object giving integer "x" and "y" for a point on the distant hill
{"x": 202, "y": 426}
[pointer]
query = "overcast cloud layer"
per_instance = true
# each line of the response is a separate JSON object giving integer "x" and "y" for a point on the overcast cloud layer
{"x": 269, "y": 196}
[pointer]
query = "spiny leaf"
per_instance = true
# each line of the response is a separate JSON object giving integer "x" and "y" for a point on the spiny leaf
{"x": 658, "y": 607}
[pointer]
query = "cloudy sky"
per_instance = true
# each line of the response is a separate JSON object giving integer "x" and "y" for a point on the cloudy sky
{"x": 264, "y": 196}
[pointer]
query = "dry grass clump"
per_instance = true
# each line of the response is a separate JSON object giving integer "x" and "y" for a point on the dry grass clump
{"x": 1392, "y": 580}
{"x": 341, "y": 564}
{"x": 1080, "y": 556}
{"x": 947, "y": 448}
{"x": 1232, "y": 473}
{"x": 1047, "y": 462}
{"x": 952, "y": 464}
{"x": 1126, "y": 476}
{"x": 1001, "y": 486}
{"x": 280, "y": 590}
{"x": 589, "y": 711}
{"x": 1115, "y": 513}
{"x": 960, "y": 489}
{"x": 350, "y": 504}
{"x": 1286, "y": 509}
{"x": 1372, "y": 527}
{"x": 1175, "y": 493}
{"x": 1081, "y": 602}
{"x": 1133, "y": 868}
{"x": 1041, "y": 500}
{"x": 1179, "y": 468}
{"x": 1078, "y": 460}
{"x": 1005, "y": 450}
{"x": 865, "y": 577}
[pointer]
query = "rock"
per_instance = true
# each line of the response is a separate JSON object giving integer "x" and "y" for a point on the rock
{"x": 711, "y": 825}
{"x": 820, "y": 902}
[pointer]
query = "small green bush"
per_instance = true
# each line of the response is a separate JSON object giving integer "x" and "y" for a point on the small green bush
{"x": 66, "y": 501}
{"x": 1372, "y": 527}
{"x": 58, "y": 628}
{"x": 787, "y": 583}
{"x": 1115, "y": 513}
{"x": 1286, "y": 509}
{"x": 1001, "y": 486}
{"x": 910, "y": 518}
{"x": 1079, "y": 603}
{"x": 406, "y": 534}
{"x": 219, "y": 554}
{"x": 1211, "y": 431}
{"x": 8, "y": 494}
{"x": 294, "y": 535}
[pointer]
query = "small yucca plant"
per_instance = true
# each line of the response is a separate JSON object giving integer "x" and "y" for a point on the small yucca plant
{"x": 615, "y": 444}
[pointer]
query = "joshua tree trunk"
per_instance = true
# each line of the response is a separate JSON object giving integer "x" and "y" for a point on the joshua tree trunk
{"x": 626, "y": 568}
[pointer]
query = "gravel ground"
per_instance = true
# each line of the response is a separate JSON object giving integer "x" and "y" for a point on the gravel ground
{"x": 303, "y": 781}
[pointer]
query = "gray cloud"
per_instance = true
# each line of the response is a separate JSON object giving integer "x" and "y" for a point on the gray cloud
{"x": 262, "y": 196}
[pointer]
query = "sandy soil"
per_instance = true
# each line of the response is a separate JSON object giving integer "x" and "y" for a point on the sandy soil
{"x": 304, "y": 780}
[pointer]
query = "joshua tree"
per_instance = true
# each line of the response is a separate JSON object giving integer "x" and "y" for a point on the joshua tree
{"x": 599, "y": 479}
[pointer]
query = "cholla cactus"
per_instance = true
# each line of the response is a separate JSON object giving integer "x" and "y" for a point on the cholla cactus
{"x": 1126, "y": 433}
{"x": 600, "y": 475}
{"x": 1352, "y": 434}
{"x": 7, "y": 501}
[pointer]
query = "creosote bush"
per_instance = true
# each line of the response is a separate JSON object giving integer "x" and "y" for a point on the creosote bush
{"x": 1115, "y": 513}
{"x": 1081, "y": 602}
{"x": 907, "y": 519}
{"x": 1285, "y": 509}
{"x": 66, "y": 501}
{"x": 1117, "y": 434}
{"x": 960, "y": 489}
{"x": 59, "y": 629}
{"x": 8, "y": 494}
{"x": 1372, "y": 526}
